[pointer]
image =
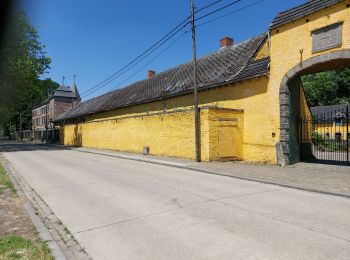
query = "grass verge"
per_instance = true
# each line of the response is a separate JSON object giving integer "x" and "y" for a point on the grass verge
{"x": 5, "y": 182}
{"x": 16, "y": 247}
{"x": 13, "y": 246}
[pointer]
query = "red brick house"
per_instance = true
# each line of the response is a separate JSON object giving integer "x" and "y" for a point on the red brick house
{"x": 61, "y": 100}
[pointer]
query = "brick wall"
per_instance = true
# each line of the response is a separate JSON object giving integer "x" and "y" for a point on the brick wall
{"x": 54, "y": 108}
{"x": 39, "y": 117}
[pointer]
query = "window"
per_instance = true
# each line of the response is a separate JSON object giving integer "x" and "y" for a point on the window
{"x": 338, "y": 121}
{"x": 338, "y": 136}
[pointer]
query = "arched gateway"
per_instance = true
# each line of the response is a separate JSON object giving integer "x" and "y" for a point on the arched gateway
{"x": 323, "y": 62}
{"x": 309, "y": 38}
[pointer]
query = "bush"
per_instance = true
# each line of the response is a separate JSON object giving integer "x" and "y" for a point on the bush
{"x": 318, "y": 139}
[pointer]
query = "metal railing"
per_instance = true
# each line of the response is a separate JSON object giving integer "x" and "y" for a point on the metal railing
{"x": 325, "y": 137}
{"x": 43, "y": 136}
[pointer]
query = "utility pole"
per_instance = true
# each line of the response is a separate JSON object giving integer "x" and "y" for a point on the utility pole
{"x": 20, "y": 127}
{"x": 195, "y": 87}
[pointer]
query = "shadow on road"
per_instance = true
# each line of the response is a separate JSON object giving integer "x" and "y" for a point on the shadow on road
{"x": 12, "y": 146}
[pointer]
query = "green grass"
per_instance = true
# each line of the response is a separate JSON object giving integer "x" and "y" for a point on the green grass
{"x": 5, "y": 180}
{"x": 15, "y": 247}
{"x": 66, "y": 230}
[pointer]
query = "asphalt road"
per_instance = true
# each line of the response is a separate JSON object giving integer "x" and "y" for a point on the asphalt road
{"x": 123, "y": 209}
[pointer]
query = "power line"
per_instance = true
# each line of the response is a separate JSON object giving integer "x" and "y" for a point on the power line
{"x": 141, "y": 55}
{"x": 207, "y": 6}
{"x": 153, "y": 59}
{"x": 161, "y": 42}
{"x": 218, "y": 10}
{"x": 133, "y": 65}
{"x": 233, "y": 12}
{"x": 109, "y": 79}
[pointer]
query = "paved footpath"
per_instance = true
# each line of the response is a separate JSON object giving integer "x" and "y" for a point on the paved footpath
{"x": 328, "y": 179}
{"x": 124, "y": 209}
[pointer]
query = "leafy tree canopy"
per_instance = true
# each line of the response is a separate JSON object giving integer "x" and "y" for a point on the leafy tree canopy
{"x": 327, "y": 88}
{"x": 23, "y": 62}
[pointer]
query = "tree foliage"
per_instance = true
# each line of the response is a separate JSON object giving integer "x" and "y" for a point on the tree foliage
{"x": 23, "y": 62}
{"x": 328, "y": 88}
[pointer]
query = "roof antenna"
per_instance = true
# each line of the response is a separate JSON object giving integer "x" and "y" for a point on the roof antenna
{"x": 63, "y": 78}
{"x": 74, "y": 77}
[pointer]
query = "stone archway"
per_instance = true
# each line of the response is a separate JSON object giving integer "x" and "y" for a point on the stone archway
{"x": 323, "y": 62}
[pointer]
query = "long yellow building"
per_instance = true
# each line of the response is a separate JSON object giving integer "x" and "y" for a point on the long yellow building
{"x": 332, "y": 122}
{"x": 250, "y": 95}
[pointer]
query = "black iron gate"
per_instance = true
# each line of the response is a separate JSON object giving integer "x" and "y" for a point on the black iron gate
{"x": 325, "y": 137}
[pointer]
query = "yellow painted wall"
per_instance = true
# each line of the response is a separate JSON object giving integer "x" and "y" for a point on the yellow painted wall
{"x": 167, "y": 134}
{"x": 251, "y": 95}
{"x": 304, "y": 107}
{"x": 259, "y": 120}
{"x": 332, "y": 129}
{"x": 264, "y": 52}
{"x": 305, "y": 114}
{"x": 293, "y": 37}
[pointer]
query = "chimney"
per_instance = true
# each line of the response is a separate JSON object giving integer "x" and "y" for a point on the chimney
{"x": 226, "y": 41}
{"x": 151, "y": 73}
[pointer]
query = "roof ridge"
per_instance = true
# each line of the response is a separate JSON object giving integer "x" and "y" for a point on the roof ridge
{"x": 298, "y": 6}
{"x": 300, "y": 11}
{"x": 347, "y": 104}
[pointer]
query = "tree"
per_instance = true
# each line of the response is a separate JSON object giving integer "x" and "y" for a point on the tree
{"x": 327, "y": 88}
{"x": 23, "y": 62}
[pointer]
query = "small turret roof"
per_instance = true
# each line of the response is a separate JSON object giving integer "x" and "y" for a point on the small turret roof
{"x": 67, "y": 92}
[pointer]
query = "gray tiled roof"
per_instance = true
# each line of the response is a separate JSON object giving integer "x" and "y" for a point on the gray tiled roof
{"x": 301, "y": 11}
{"x": 62, "y": 92}
{"x": 228, "y": 64}
{"x": 67, "y": 92}
{"x": 328, "y": 112}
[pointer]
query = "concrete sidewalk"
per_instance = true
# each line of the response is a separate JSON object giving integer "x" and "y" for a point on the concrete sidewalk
{"x": 327, "y": 179}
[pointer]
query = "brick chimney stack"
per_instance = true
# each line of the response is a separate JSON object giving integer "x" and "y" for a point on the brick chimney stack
{"x": 226, "y": 41}
{"x": 151, "y": 73}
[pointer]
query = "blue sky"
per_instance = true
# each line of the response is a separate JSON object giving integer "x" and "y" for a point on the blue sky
{"x": 95, "y": 38}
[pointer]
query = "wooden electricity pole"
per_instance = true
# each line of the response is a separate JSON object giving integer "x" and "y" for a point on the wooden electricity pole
{"x": 195, "y": 87}
{"x": 20, "y": 127}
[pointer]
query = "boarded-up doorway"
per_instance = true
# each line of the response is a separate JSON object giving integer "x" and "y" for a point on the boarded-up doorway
{"x": 227, "y": 139}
